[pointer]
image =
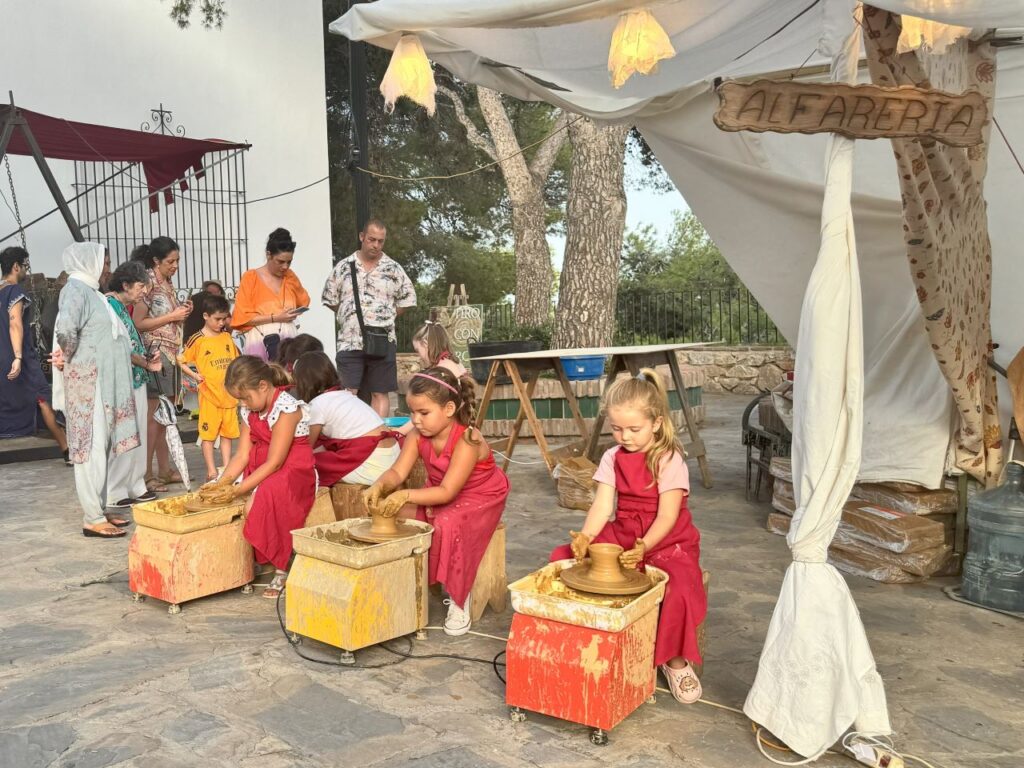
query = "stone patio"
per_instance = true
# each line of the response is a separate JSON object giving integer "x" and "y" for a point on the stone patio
{"x": 90, "y": 679}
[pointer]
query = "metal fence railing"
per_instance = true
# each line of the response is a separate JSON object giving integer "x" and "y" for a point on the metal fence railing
{"x": 706, "y": 314}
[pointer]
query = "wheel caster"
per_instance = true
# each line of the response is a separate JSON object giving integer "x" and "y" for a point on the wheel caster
{"x": 421, "y": 634}
{"x": 347, "y": 658}
{"x": 173, "y": 609}
{"x": 138, "y": 598}
{"x": 652, "y": 699}
{"x": 598, "y": 737}
{"x": 516, "y": 715}
{"x": 247, "y": 589}
{"x": 295, "y": 638}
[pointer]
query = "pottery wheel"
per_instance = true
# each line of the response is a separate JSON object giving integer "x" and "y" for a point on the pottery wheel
{"x": 361, "y": 532}
{"x": 578, "y": 577}
{"x": 198, "y": 505}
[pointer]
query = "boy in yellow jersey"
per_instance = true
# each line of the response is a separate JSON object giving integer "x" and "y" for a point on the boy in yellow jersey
{"x": 211, "y": 351}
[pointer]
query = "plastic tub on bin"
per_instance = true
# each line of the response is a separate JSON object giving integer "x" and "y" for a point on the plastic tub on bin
{"x": 583, "y": 368}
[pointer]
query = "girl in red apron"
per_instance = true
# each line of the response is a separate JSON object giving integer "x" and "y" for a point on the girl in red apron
{"x": 275, "y": 455}
{"x": 350, "y": 441}
{"x": 465, "y": 492}
{"x": 647, "y": 474}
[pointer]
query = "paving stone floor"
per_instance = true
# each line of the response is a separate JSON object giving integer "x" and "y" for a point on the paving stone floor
{"x": 90, "y": 679}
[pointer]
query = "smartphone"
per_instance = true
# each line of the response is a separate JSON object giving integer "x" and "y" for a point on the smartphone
{"x": 300, "y": 310}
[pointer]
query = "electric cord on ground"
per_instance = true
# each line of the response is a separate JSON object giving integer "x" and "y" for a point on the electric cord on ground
{"x": 850, "y": 742}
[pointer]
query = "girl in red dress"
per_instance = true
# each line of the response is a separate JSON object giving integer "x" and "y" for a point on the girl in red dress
{"x": 652, "y": 523}
{"x": 465, "y": 492}
{"x": 277, "y": 460}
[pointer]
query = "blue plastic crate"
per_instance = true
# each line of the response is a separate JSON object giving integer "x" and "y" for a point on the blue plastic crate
{"x": 583, "y": 368}
{"x": 393, "y": 422}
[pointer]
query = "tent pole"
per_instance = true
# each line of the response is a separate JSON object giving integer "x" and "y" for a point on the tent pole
{"x": 51, "y": 182}
{"x": 360, "y": 162}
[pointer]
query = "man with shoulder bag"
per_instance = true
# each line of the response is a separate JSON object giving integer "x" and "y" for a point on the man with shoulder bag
{"x": 367, "y": 291}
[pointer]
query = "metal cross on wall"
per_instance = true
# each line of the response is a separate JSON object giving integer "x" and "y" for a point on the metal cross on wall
{"x": 161, "y": 122}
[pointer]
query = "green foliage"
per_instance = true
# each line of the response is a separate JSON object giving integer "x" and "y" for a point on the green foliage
{"x": 441, "y": 230}
{"x": 211, "y": 13}
{"x": 686, "y": 259}
{"x": 541, "y": 333}
{"x": 681, "y": 289}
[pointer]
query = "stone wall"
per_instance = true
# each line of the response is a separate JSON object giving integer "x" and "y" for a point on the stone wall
{"x": 741, "y": 370}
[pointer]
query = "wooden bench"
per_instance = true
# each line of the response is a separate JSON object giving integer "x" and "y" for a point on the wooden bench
{"x": 490, "y": 587}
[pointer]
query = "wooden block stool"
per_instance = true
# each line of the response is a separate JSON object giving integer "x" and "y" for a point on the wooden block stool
{"x": 322, "y": 511}
{"x": 701, "y": 645}
{"x": 490, "y": 587}
{"x": 417, "y": 476}
{"x": 348, "y": 501}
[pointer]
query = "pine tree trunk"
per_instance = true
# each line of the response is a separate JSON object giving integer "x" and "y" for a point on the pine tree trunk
{"x": 534, "y": 274}
{"x": 595, "y": 221}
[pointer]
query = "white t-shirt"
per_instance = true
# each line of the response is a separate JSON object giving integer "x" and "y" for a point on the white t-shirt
{"x": 343, "y": 415}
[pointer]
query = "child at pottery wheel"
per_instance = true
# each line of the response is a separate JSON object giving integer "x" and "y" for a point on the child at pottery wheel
{"x": 644, "y": 481}
{"x": 276, "y": 457}
{"x": 465, "y": 491}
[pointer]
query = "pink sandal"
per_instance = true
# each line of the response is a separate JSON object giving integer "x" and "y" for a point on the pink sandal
{"x": 683, "y": 683}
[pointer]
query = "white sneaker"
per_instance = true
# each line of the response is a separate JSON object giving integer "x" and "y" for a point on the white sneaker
{"x": 458, "y": 621}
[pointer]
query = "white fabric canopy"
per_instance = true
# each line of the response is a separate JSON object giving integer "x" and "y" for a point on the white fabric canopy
{"x": 760, "y": 198}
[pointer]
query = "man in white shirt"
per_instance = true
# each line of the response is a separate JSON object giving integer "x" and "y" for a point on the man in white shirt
{"x": 385, "y": 291}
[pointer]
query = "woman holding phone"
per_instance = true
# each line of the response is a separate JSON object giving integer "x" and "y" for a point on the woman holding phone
{"x": 269, "y": 299}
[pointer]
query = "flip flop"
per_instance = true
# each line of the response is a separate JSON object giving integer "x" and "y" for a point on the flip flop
{"x": 90, "y": 533}
{"x": 120, "y": 522}
{"x": 171, "y": 478}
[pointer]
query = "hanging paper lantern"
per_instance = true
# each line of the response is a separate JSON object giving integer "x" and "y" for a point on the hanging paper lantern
{"x": 409, "y": 74}
{"x": 931, "y": 35}
{"x": 638, "y": 44}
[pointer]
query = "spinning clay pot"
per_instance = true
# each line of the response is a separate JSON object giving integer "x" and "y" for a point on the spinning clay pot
{"x": 604, "y": 564}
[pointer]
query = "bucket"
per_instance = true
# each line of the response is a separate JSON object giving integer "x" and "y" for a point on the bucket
{"x": 585, "y": 368}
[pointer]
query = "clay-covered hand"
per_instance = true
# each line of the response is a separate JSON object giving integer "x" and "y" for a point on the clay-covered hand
{"x": 224, "y": 494}
{"x": 580, "y": 544}
{"x": 631, "y": 557}
{"x": 372, "y": 495}
{"x": 392, "y": 505}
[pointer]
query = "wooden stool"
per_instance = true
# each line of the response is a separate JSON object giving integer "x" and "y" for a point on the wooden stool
{"x": 417, "y": 476}
{"x": 348, "y": 501}
{"x": 322, "y": 510}
{"x": 701, "y": 644}
{"x": 490, "y": 587}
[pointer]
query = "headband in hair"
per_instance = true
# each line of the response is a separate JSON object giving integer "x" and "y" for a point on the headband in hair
{"x": 442, "y": 382}
{"x": 641, "y": 376}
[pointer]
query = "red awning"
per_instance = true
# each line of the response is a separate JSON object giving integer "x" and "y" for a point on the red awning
{"x": 164, "y": 159}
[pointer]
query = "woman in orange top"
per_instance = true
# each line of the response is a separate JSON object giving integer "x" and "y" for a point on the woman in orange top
{"x": 269, "y": 299}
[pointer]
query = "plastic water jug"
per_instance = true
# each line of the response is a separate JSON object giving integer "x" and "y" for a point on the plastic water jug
{"x": 994, "y": 566}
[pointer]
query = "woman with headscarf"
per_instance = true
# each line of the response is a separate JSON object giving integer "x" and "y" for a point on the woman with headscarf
{"x": 94, "y": 354}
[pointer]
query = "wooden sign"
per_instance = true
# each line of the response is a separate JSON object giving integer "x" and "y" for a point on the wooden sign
{"x": 855, "y": 111}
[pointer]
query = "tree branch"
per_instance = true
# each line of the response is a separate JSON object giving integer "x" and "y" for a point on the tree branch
{"x": 544, "y": 159}
{"x": 476, "y": 138}
{"x": 506, "y": 144}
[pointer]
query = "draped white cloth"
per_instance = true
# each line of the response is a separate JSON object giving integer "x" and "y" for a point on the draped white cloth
{"x": 817, "y": 675}
{"x": 760, "y": 197}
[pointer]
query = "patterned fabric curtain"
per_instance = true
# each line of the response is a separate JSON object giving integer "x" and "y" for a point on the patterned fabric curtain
{"x": 945, "y": 226}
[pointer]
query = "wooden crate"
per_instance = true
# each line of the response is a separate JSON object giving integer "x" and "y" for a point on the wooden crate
{"x": 490, "y": 587}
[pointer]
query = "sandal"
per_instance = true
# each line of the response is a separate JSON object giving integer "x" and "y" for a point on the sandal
{"x": 683, "y": 683}
{"x": 171, "y": 478}
{"x": 276, "y": 587}
{"x": 104, "y": 533}
{"x": 155, "y": 484}
{"x": 120, "y": 522}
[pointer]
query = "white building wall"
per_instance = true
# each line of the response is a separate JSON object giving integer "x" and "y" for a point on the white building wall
{"x": 260, "y": 80}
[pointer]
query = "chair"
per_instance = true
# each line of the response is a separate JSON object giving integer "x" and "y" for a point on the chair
{"x": 769, "y": 437}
